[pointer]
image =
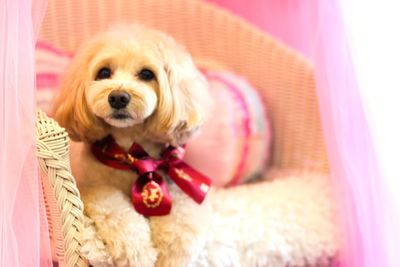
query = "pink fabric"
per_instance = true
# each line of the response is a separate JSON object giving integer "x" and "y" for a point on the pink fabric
{"x": 368, "y": 216}
{"x": 366, "y": 208}
{"x": 51, "y": 62}
{"x": 44, "y": 80}
{"x": 51, "y": 49}
{"x": 24, "y": 237}
{"x": 239, "y": 135}
{"x": 245, "y": 127}
{"x": 294, "y": 22}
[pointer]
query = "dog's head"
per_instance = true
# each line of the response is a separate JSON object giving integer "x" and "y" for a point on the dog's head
{"x": 131, "y": 77}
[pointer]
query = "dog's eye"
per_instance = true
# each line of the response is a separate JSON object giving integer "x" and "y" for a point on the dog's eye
{"x": 146, "y": 75}
{"x": 103, "y": 73}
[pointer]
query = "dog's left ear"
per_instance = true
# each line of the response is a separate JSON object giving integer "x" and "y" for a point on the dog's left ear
{"x": 183, "y": 101}
{"x": 71, "y": 109}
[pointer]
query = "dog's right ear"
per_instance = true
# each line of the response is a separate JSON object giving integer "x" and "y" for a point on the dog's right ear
{"x": 71, "y": 109}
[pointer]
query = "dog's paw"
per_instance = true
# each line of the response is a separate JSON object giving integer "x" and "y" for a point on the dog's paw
{"x": 181, "y": 235}
{"x": 172, "y": 261}
{"x": 124, "y": 233}
{"x": 93, "y": 248}
{"x": 129, "y": 245}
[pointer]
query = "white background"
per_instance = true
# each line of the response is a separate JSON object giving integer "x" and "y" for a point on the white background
{"x": 373, "y": 30}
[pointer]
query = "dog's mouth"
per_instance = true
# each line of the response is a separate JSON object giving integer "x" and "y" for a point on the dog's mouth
{"x": 120, "y": 115}
{"x": 120, "y": 119}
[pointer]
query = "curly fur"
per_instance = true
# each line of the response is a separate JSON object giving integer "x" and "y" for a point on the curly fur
{"x": 165, "y": 110}
{"x": 269, "y": 224}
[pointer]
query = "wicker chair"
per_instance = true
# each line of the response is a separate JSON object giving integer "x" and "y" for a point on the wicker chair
{"x": 285, "y": 80}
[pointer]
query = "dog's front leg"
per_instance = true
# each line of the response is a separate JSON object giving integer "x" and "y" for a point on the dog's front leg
{"x": 125, "y": 233}
{"x": 181, "y": 235}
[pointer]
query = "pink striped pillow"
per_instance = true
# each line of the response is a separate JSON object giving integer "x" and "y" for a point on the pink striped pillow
{"x": 50, "y": 64}
{"x": 232, "y": 147}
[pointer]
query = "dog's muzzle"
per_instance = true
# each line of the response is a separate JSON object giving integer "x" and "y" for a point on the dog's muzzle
{"x": 118, "y": 99}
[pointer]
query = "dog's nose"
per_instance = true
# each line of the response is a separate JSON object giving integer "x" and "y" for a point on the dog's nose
{"x": 118, "y": 99}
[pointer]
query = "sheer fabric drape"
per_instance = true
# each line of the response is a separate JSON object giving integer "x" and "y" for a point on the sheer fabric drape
{"x": 24, "y": 237}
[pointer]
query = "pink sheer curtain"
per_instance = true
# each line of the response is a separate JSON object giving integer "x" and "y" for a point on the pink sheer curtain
{"x": 315, "y": 28}
{"x": 24, "y": 238}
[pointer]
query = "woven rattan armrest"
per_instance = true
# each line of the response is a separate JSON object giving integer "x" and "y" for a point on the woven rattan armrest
{"x": 63, "y": 203}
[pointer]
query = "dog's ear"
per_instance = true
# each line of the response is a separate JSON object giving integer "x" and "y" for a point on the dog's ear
{"x": 70, "y": 109}
{"x": 182, "y": 102}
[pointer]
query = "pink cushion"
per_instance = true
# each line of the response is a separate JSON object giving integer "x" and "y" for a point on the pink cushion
{"x": 231, "y": 148}
{"x": 50, "y": 64}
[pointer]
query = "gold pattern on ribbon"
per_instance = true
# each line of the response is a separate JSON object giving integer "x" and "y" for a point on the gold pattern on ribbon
{"x": 181, "y": 174}
{"x": 125, "y": 158}
{"x": 204, "y": 188}
{"x": 152, "y": 194}
{"x": 130, "y": 158}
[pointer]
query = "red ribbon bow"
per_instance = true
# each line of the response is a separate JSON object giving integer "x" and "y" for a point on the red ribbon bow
{"x": 150, "y": 196}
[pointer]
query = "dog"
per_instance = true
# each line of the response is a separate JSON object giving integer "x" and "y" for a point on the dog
{"x": 135, "y": 85}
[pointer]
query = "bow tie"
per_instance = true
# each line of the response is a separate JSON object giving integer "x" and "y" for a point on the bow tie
{"x": 150, "y": 195}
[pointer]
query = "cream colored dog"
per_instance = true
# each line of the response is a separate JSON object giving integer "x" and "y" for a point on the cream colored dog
{"x": 140, "y": 86}
{"x": 137, "y": 85}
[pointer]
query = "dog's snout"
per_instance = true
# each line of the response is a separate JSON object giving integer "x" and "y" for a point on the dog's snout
{"x": 118, "y": 99}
